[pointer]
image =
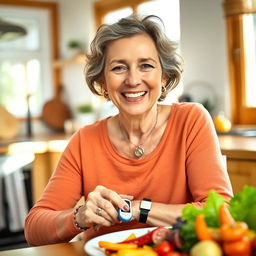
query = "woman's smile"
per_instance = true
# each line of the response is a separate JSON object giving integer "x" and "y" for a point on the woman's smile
{"x": 134, "y": 96}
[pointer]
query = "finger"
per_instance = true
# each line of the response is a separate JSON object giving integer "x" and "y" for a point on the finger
{"x": 102, "y": 213}
{"x": 92, "y": 216}
{"x": 109, "y": 210}
{"x": 115, "y": 198}
{"x": 130, "y": 197}
{"x": 102, "y": 219}
{"x": 95, "y": 200}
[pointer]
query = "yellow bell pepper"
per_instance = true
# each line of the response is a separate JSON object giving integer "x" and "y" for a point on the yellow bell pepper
{"x": 137, "y": 252}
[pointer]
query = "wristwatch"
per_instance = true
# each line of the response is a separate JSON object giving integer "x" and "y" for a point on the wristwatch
{"x": 145, "y": 207}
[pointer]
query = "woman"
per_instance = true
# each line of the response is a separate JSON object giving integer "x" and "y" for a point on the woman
{"x": 161, "y": 157}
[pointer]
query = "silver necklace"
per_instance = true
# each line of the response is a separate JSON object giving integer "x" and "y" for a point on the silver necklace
{"x": 139, "y": 150}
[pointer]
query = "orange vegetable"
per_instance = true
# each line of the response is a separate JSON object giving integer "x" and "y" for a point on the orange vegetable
{"x": 130, "y": 237}
{"x": 225, "y": 216}
{"x": 202, "y": 230}
{"x": 136, "y": 252}
{"x": 116, "y": 246}
{"x": 233, "y": 232}
{"x": 237, "y": 248}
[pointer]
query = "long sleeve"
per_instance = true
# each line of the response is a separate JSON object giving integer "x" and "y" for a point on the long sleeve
{"x": 51, "y": 218}
{"x": 205, "y": 165}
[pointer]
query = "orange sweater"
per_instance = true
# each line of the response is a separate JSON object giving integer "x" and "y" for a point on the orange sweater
{"x": 186, "y": 164}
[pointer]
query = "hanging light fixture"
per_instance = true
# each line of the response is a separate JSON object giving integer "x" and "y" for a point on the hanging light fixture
{"x": 9, "y": 31}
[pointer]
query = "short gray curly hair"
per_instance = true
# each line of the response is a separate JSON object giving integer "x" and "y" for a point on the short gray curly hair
{"x": 171, "y": 61}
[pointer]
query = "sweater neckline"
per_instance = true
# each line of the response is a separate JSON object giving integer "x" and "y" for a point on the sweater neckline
{"x": 114, "y": 153}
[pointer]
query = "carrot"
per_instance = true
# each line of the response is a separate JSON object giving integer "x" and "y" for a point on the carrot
{"x": 202, "y": 231}
{"x": 225, "y": 216}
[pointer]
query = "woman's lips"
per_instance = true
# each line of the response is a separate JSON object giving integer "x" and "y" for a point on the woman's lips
{"x": 133, "y": 95}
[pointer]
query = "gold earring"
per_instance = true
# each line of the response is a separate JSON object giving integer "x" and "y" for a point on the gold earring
{"x": 105, "y": 94}
{"x": 163, "y": 90}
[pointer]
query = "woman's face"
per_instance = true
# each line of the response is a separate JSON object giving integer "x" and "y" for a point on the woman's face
{"x": 133, "y": 74}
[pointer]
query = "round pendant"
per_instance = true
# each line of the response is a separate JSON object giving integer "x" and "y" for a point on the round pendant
{"x": 139, "y": 151}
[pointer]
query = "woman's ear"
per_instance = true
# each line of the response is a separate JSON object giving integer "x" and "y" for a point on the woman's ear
{"x": 164, "y": 80}
{"x": 102, "y": 83}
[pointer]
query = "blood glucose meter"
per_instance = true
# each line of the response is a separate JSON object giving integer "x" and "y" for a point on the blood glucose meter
{"x": 125, "y": 216}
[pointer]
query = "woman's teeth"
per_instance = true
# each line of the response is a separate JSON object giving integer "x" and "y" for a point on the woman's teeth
{"x": 134, "y": 95}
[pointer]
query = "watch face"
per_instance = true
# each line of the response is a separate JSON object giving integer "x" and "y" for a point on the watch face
{"x": 145, "y": 204}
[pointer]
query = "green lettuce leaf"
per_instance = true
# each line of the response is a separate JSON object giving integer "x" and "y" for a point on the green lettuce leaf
{"x": 189, "y": 213}
{"x": 243, "y": 206}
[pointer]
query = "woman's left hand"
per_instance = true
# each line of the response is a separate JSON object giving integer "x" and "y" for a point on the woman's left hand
{"x": 100, "y": 208}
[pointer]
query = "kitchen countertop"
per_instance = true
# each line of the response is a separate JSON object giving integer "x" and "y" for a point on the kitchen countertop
{"x": 234, "y": 145}
{"x": 55, "y": 142}
{"x": 238, "y": 146}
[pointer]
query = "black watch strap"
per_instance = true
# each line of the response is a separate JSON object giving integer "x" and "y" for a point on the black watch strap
{"x": 145, "y": 207}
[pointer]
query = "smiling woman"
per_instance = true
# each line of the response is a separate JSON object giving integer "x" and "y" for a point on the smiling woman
{"x": 160, "y": 157}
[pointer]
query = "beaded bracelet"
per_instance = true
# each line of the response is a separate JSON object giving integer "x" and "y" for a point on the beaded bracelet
{"x": 75, "y": 221}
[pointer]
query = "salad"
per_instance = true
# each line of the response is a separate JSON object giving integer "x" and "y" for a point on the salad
{"x": 214, "y": 230}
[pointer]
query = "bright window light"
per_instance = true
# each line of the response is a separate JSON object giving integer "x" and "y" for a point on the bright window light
{"x": 250, "y": 58}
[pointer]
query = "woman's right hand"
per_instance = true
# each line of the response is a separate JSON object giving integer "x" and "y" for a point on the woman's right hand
{"x": 100, "y": 208}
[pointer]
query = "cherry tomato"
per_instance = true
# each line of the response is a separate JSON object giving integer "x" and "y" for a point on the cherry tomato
{"x": 233, "y": 232}
{"x": 254, "y": 245}
{"x": 164, "y": 248}
{"x": 241, "y": 247}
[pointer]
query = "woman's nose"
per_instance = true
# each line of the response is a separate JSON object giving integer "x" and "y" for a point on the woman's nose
{"x": 133, "y": 78}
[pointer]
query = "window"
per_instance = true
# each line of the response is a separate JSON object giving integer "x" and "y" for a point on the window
{"x": 241, "y": 36}
{"x": 249, "y": 28}
{"x": 26, "y": 62}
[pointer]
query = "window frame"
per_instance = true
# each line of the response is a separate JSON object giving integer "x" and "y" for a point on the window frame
{"x": 102, "y": 7}
{"x": 52, "y": 8}
{"x": 234, "y": 11}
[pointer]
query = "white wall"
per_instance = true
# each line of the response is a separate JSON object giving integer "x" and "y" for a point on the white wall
{"x": 76, "y": 22}
{"x": 204, "y": 49}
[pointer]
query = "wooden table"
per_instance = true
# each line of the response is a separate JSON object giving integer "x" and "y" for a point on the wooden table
{"x": 63, "y": 249}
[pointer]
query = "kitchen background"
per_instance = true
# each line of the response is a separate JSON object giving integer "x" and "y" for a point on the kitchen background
{"x": 198, "y": 25}
{"x": 31, "y": 141}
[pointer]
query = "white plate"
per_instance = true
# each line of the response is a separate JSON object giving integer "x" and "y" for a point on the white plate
{"x": 92, "y": 248}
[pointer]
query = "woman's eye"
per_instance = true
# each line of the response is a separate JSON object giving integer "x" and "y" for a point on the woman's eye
{"x": 118, "y": 68}
{"x": 147, "y": 66}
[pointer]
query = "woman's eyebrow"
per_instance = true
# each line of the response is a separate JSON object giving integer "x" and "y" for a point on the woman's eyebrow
{"x": 147, "y": 59}
{"x": 122, "y": 61}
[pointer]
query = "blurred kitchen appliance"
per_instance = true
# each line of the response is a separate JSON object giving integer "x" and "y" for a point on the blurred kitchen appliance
{"x": 9, "y": 31}
{"x": 55, "y": 112}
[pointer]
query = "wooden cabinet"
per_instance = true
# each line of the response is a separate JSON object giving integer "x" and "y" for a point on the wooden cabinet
{"x": 241, "y": 172}
{"x": 241, "y": 160}
{"x": 43, "y": 167}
